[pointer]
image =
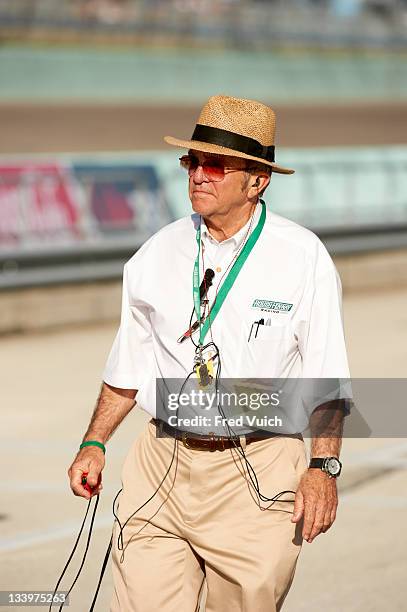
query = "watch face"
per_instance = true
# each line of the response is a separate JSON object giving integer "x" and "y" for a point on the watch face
{"x": 333, "y": 466}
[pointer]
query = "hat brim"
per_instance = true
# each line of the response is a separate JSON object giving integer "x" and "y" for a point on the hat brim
{"x": 207, "y": 147}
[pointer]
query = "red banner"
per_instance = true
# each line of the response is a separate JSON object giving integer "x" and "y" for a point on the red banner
{"x": 61, "y": 204}
{"x": 37, "y": 204}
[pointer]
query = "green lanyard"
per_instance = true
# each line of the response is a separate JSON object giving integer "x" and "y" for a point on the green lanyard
{"x": 229, "y": 280}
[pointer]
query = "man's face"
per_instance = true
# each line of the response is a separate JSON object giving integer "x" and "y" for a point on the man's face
{"x": 218, "y": 197}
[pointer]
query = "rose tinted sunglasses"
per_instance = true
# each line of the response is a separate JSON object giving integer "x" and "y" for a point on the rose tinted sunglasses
{"x": 213, "y": 168}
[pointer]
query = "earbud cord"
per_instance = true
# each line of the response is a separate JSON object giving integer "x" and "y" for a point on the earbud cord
{"x": 231, "y": 433}
{"x": 73, "y": 552}
{"x": 250, "y": 469}
{"x": 120, "y": 537}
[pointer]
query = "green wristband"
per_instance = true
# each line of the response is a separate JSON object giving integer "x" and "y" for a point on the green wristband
{"x": 93, "y": 443}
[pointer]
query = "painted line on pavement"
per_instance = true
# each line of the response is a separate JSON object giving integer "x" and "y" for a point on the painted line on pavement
{"x": 69, "y": 530}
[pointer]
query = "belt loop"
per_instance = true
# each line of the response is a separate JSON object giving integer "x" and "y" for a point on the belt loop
{"x": 212, "y": 444}
{"x": 243, "y": 442}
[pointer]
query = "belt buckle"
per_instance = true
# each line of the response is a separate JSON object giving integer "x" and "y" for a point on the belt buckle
{"x": 184, "y": 440}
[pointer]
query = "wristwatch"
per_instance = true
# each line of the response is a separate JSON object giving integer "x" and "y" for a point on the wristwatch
{"x": 330, "y": 465}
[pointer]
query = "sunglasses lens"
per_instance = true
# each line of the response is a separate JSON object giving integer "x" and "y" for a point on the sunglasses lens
{"x": 189, "y": 163}
{"x": 214, "y": 170}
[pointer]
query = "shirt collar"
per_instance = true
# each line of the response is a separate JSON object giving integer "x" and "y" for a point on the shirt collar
{"x": 237, "y": 239}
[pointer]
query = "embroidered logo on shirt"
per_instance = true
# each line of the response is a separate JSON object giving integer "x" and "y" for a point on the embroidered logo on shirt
{"x": 271, "y": 305}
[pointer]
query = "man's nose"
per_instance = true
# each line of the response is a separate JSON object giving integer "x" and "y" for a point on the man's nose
{"x": 199, "y": 176}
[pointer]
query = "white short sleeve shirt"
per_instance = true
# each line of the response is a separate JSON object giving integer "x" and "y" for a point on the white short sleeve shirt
{"x": 289, "y": 281}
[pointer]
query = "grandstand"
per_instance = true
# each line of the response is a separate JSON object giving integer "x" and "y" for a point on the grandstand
{"x": 244, "y": 24}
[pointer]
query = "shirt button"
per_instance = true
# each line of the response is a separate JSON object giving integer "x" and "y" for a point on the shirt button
{"x": 218, "y": 269}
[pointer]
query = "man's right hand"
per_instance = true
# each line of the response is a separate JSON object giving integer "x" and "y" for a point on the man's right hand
{"x": 90, "y": 459}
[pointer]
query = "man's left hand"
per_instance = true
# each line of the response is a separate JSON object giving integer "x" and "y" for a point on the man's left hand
{"x": 317, "y": 500}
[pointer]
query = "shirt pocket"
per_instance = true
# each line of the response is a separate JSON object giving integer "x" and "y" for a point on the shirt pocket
{"x": 270, "y": 333}
{"x": 266, "y": 353}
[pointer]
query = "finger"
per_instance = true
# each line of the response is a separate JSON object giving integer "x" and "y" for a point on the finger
{"x": 94, "y": 479}
{"x": 97, "y": 487}
{"x": 318, "y": 522}
{"x": 309, "y": 516}
{"x": 298, "y": 507}
{"x": 76, "y": 476}
{"x": 94, "y": 474}
{"x": 327, "y": 520}
{"x": 76, "y": 483}
{"x": 97, "y": 490}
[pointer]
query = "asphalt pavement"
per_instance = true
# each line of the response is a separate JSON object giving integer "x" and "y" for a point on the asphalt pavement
{"x": 50, "y": 382}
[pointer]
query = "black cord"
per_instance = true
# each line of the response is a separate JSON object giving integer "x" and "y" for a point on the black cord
{"x": 120, "y": 545}
{"x": 106, "y": 559}
{"x": 120, "y": 537}
{"x": 231, "y": 434}
{"x": 73, "y": 552}
{"x": 190, "y": 325}
{"x": 159, "y": 486}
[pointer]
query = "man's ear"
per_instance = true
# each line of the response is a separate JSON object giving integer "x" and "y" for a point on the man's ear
{"x": 259, "y": 185}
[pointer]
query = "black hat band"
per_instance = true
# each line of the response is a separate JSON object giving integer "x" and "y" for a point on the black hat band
{"x": 230, "y": 140}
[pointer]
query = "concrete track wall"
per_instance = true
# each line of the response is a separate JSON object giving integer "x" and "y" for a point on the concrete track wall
{"x": 40, "y": 309}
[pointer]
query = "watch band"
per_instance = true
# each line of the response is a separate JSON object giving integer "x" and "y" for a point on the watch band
{"x": 317, "y": 462}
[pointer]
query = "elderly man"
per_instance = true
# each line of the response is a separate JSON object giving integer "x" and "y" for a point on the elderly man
{"x": 211, "y": 502}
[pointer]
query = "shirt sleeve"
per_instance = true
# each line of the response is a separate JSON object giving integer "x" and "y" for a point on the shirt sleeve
{"x": 321, "y": 336}
{"x": 127, "y": 363}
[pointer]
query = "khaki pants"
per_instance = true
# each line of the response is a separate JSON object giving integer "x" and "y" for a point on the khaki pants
{"x": 205, "y": 524}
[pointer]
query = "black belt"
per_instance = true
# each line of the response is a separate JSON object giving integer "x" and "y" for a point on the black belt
{"x": 212, "y": 442}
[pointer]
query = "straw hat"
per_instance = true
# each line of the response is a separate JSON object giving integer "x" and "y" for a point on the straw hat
{"x": 232, "y": 126}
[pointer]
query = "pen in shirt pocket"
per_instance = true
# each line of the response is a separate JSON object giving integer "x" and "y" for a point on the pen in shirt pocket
{"x": 257, "y": 324}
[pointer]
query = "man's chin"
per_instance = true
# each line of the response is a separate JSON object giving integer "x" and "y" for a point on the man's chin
{"x": 202, "y": 202}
